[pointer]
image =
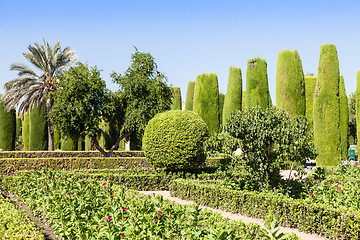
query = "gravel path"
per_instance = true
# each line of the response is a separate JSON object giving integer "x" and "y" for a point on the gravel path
{"x": 232, "y": 216}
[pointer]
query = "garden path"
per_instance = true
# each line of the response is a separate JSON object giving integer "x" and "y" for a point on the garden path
{"x": 232, "y": 216}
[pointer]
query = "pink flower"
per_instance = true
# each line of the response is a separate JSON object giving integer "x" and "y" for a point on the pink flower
{"x": 132, "y": 168}
{"x": 123, "y": 208}
{"x": 104, "y": 184}
{"x": 52, "y": 188}
{"x": 96, "y": 226}
{"x": 108, "y": 218}
{"x": 326, "y": 182}
{"x": 154, "y": 220}
{"x": 311, "y": 192}
{"x": 122, "y": 235}
{"x": 316, "y": 180}
{"x": 69, "y": 192}
{"x": 47, "y": 164}
{"x": 124, "y": 217}
{"x": 134, "y": 220}
{"x": 109, "y": 179}
{"x": 27, "y": 185}
{"x": 111, "y": 197}
{"x": 170, "y": 216}
{"x": 160, "y": 213}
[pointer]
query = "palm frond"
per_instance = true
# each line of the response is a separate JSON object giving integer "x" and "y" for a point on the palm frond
{"x": 23, "y": 69}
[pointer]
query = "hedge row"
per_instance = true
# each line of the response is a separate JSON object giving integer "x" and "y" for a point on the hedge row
{"x": 9, "y": 166}
{"x": 66, "y": 154}
{"x": 14, "y": 224}
{"x": 307, "y": 217}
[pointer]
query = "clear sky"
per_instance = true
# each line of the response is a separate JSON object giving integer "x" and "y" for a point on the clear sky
{"x": 186, "y": 38}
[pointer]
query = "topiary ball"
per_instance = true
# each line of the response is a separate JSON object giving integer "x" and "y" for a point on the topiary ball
{"x": 175, "y": 140}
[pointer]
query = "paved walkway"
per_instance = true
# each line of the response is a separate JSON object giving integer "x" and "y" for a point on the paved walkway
{"x": 232, "y": 216}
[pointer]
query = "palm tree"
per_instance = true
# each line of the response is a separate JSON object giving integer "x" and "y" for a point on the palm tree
{"x": 30, "y": 88}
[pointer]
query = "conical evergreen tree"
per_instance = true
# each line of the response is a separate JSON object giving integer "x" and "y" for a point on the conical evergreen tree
{"x": 310, "y": 82}
{"x": 206, "y": 100}
{"x": 344, "y": 119}
{"x": 38, "y": 133}
{"x": 7, "y": 128}
{"x": 176, "y": 99}
{"x": 233, "y": 97}
{"x": 358, "y": 107}
{"x": 189, "y": 103}
{"x": 327, "y": 107}
{"x": 26, "y": 131}
{"x": 221, "y": 106}
{"x": 257, "y": 87}
{"x": 290, "y": 85}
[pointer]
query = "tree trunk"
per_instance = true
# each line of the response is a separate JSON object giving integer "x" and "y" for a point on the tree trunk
{"x": 95, "y": 142}
{"x": 49, "y": 104}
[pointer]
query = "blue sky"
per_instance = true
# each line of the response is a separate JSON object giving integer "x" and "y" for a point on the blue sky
{"x": 187, "y": 38}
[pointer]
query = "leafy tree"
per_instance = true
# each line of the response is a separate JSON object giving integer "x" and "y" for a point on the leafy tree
{"x": 30, "y": 88}
{"x": 268, "y": 139}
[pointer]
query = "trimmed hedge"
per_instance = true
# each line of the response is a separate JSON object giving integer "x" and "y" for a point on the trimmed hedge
{"x": 327, "y": 108}
{"x": 206, "y": 100}
{"x": 307, "y": 217}
{"x": 344, "y": 119}
{"x": 176, "y": 99}
{"x": 175, "y": 140}
{"x": 189, "y": 102}
{"x": 257, "y": 87}
{"x": 7, "y": 128}
{"x": 38, "y": 133}
{"x": 310, "y": 83}
{"x": 26, "y": 131}
{"x": 66, "y": 154}
{"x": 290, "y": 84}
{"x": 233, "y": 97}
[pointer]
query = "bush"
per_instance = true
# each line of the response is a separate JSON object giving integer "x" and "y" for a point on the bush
{"x": 175, "y": 139}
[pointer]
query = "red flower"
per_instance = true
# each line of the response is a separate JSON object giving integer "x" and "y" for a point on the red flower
{"x": 108, "y": 218}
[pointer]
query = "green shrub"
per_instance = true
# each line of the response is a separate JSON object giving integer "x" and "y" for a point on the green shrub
{"x": 7, "y": 128}
{"x": 176, "y": 99}
{"x": 310, "y": 83}
{"x": 189, "y": 103}
{"x": 327, "y": 108}
{"x": 290, "y": 85}
{"x": 26, "y": 131}
{"x": 206, "y": 100}
{"x": 233, "y": 97}
{"x": 257, "y": 87}
{"x": 344, "y": 119}
{"x": 175, "y": 139}
{"x": 66, "y": 154}
{"x": 38, "y": 133}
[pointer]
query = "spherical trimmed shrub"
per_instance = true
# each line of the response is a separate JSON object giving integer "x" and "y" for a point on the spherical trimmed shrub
{"x": 175, "y": 140}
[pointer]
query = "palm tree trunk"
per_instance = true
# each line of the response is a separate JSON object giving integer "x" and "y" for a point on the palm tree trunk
{"x": 49, "y": 104}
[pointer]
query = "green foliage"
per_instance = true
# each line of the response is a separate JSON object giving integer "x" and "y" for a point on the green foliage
{"x": 257, "y": 88}
{"x": 290, "y": 85}
{"x": 7, "y": 128}
{"x": 327, "y": 108}
{"x": 233, "y": 97}
{"x": 136, "y": 139}
{"x": 310, "y": 83}
{"x": 176, "y": 99}
{"x": 38, "y": 130}
{"x": 15, "y": 224}
{"x": 26, "y": 131}
{"x": 57, "y": 140}
{"x": 344, "y": 120}
{"x": 221, "y": 106}
{"x": 357, "y": 93}
{"x": 268, "y": 139}
{"x": 189, "y": 103}
{"x": 67, "y": 154}
{"x": 69, "y": 144}
{"x": 175, "y": 139}
{"x": 206, "y": 100}
{"x": 352, "y": 119}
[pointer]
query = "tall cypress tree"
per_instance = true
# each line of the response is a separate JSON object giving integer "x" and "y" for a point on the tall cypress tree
{"x": 344, "y": 119}
{"x": 176, "y": 99}
{"x": 327, "y": 107}
{"x": 7, "y": 128}
{"x": 38, "y": 133}
{"x": 221, "y": 106}
{"x": 257, "y": 87}
{"x": 189, "y": 102}
{"x": 290, "y": 85}
{"x": 358, "y": 107}
{"x": 310, "y": 83}
{"x": 243, "y": 100}
{"x": 233, "y": 97}
{"x": 206, "y": 100}
{"x": 26, "y": 131}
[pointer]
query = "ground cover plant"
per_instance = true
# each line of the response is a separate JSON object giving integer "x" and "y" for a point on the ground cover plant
{"x": 88, "y": 209}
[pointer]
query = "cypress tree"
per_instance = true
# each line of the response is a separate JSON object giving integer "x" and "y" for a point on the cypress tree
{"x": 233, "y": 97}
{"x": 176, "y": 99}
{"x": 69, "y": 144}
{"x": 310, "y": 82}
{"x": 358, "y": 107}
{"x": 38, "y": 133}
{"x": 290, "y": 85}
{"x": 18, "y": 127}
{"x": 327, "y": 107}
{"x": 344, "y": 119}
{"x": 57, "y": 140}
{"x": 257, "y": 87}
{"x": 88, "y": 146}
{"x": 206, "y": 100}
{"x": 243, "y": 100}
{"x": 221, "y": 106}
{"x": 26, "y": 131}
{"x": 7, "y": 128}
{"x": 189, "y": 103}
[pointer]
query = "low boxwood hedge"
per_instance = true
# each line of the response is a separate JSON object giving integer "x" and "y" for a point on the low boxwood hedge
{"x": 67, "y": 154}
{"x": 308, "y": 217}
